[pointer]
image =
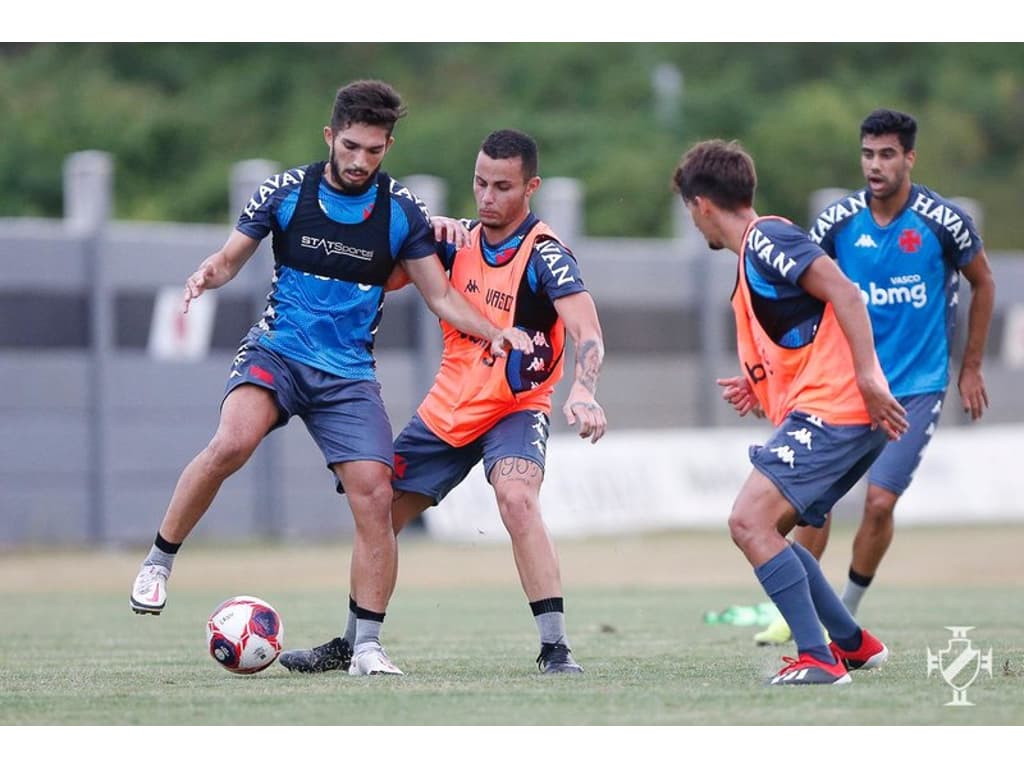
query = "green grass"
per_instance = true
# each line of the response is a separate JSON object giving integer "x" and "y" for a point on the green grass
{"x": 85, "y": 659}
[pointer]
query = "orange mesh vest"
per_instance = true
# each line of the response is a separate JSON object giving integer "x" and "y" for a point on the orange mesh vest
{"x": 817, "y": 378}
{"x": 472, "y": 390}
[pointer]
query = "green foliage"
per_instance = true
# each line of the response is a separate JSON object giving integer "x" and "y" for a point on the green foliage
{"x": 176, "y": 117}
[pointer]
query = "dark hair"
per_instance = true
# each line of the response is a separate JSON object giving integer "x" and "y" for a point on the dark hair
{"x": 509, "y": 143}
{"x": 718, "y": 170}
{"x": 883, "y": 121}
{"x": 370, "y": 102}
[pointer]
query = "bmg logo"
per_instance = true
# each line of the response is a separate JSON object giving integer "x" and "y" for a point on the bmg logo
{"x": 959, "y": 664}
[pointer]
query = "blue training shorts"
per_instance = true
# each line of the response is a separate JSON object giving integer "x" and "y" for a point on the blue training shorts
{"x": 345, "y": 417}
{"x": 895, "y": 467}
{"x": 426, "y": 464}
{"x": 814, "y": 464}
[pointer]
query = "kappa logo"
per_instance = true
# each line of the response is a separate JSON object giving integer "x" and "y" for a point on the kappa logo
{"x": 865, "y": 241}
{"x": 786, "y": 455}
{"x": 472, "y": 287}
{"x": 802, "y": 436}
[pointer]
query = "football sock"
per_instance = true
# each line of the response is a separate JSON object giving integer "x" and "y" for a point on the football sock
{"x": 162, "y": 553}
{"x": 855, "y": 589}
{"x": 785, "y": 581}
{"x": 350, "y": 627}
{"x": 549, "y": 614}
{"x": 368, "y": 626}
{"x": 833, "y": 614}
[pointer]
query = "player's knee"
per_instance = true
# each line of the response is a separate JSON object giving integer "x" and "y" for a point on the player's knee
{"x": 743, "y": 528}
{"x": 878, "y": 508}
{"x": 227, "y": 453}
{"x": 519, "y": 509}
{"x": 372, "y": 504}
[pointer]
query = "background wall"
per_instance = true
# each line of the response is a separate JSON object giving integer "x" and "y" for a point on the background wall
{"x": 120, "y": 170}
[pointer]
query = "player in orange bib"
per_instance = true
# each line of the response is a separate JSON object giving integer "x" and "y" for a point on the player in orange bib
{"x": 806, "y": 350}
{"x": 512, "y": 268}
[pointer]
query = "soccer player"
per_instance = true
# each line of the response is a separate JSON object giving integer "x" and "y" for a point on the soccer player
{"x": 339, "y": 227}
{"x": 808, "y": 362}
{"x": 516, "y": 271}
{"x": 905, "y": 247}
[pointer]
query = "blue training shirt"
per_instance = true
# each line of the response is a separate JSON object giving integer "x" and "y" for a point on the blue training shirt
{"x": 777, "y": 253}
{"x": 908, "y": 273}
{"x": 327, "y": 323}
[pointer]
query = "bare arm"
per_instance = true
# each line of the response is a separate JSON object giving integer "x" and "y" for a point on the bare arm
{"x": 579, "y": 315}
{"x": 825, "y": 281}
{"x": 219, "y": 267}
{"x": 446, "y": 230}
{"x": 971, "y": 383}
{"x": 451, "y": 306}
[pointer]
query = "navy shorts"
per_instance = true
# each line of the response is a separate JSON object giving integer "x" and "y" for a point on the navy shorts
{"x": 814, "y": 464}
{"x": 895, "y": 467}
{"x": 426, "y": 464}
{"x": 345, "y": 417}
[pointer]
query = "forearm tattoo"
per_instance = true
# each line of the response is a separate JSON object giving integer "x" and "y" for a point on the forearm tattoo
{"x": 589, "y": 356}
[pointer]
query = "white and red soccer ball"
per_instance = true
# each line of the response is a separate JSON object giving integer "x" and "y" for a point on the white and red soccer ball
{"x": 244, "y": 634}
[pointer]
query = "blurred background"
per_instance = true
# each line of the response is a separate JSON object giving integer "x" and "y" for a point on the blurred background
{"x": 123, "y": 165}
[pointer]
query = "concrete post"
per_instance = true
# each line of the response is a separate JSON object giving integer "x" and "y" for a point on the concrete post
{"x": 88, "y": 203}
{"x": 559, "y": 202}
{"x": 433, "y": 192}
{"x": 819, "y": 200}
{"x": 269, "y": 506}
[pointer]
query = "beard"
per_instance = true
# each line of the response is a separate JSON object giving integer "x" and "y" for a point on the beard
{"x": 345, "y": 186}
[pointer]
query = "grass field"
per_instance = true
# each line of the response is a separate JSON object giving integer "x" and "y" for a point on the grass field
{"x": 74, "y": 654}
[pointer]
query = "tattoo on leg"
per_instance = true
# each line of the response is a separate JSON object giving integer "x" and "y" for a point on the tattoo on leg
{"x": 515, "y": 468}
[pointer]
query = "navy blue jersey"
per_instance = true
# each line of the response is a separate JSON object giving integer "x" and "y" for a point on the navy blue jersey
{"x": 777, "y": 253}
{"x": 908, "y": 274}
{"x": 313, "y": 314}
{"x": 552, "y": 273}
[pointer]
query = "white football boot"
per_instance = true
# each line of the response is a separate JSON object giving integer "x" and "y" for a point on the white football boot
{"x": 370, "y": 659}
{"x": 149, "y": 593}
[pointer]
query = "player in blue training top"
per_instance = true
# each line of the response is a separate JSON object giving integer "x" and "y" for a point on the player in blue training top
{"x": 516, "y": 271}
{"x": 905, "y": 247}
{"x": 339, "y": 228}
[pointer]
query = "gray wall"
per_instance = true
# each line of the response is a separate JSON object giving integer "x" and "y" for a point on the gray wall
{"x": 95, "y": 431}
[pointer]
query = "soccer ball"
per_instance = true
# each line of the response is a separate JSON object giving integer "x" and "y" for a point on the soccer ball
{"x": 244, "y": 634}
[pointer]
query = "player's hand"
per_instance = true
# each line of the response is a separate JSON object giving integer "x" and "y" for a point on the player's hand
{"x": 582, "y": 410}
{"x": 973, "y": 394}
{"x": 510, "y": 338}
{"x": 736, "y": 391}
{"x": 885, "y": 411}
{"x": 197, "y": 282}
{"x": 449, "y": 231}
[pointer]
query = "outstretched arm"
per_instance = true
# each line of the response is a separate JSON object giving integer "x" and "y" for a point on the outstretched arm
{"x": 451, "y": 306}
{"x": 971, "y": 383}
{"x": 823, "y": 280}
{"x": 579, "y": 314}
{"x": 446, "y": 230}
{"x": 219, "y": 267}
